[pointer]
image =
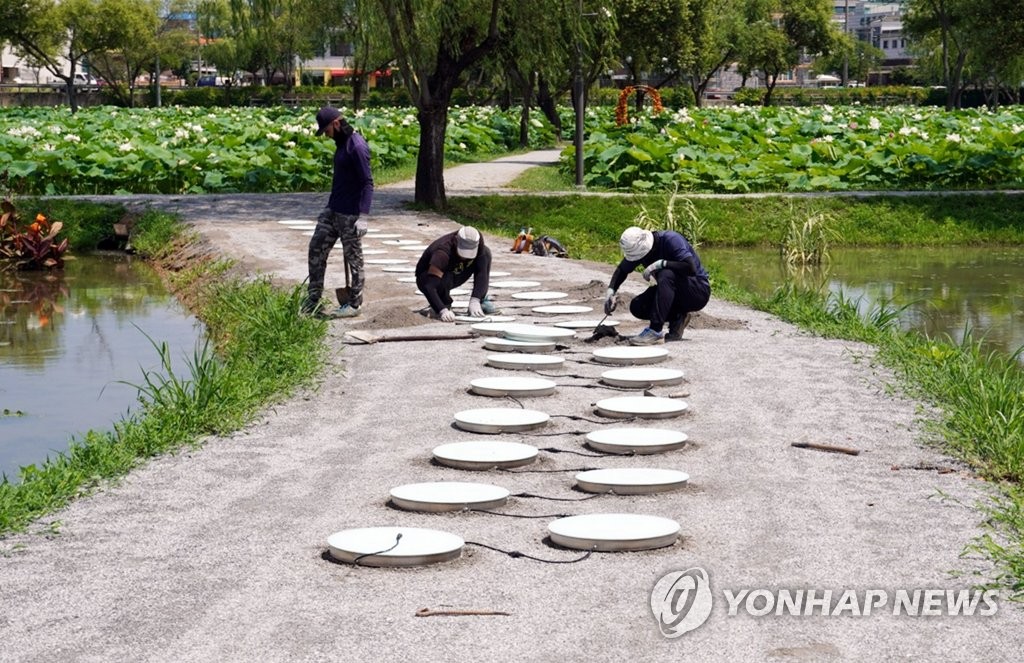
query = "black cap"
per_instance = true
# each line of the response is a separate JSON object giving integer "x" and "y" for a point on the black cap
{"x": 325, "y": 116}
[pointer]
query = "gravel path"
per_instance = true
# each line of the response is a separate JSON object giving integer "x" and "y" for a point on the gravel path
{"x": 218, "y": 553}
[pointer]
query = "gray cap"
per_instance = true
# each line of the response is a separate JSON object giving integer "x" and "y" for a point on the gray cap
{"x": 467, "y": 242}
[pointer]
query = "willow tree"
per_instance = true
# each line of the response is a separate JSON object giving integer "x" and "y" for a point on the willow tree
{"x": 435, "y": 42}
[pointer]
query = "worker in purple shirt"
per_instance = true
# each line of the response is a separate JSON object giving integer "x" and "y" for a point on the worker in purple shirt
{"x": 680, "y": 282}
{"x": 351, "y": 195}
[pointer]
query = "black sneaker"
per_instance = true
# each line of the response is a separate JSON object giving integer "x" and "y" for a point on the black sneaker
{"x": 675, "y": 329}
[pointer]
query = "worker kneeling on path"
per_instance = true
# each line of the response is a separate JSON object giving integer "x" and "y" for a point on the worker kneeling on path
{"x": 447, "y": 263}
{"x": 680, "y": 285}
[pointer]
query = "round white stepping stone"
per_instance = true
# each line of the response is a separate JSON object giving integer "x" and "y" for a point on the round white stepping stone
{"x": 495, "y": 274}
{"x": 387, "y": 235}
{"x": 398, "y": 269}
{"x": 448, "y": 496}
{"x": 585, "y": 324}
{"x": 630, "y": 355}
{"x": 297, "y": 222}
{"x": 631, "y": 480}
{"x": 488, "y": 318}
{"x": 512, "y": 386}
{"x": 399, "y": 242}
{"x": 520, "y": 332}
{"x": 481, "y": 456}
{"x": 489, "y": 328}
{"x": 386, "y": 261}
{"x": 499, "y": 285}
{"x": 636, "y": 440}
{"x": 416, "y": 547}
{"x": 642, "y": 377}
{"x": 517, "y": 362}
{"x": 500, "y": 420}
{"x": 540, "y": 294}
{"x": 645, "y": 407}
{"x": 562, "y": 309}
{"x": 373, "y": 231}
{"x": 614, "y": 532}
{"x": 406, "y": 279}
{"x": 510, "y": 345}
{"x": 371, "y": 252}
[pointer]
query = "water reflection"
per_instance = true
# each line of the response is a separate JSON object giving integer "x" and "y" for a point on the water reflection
{"x": 946, "y": 290}
{"x": 67, "y": 338}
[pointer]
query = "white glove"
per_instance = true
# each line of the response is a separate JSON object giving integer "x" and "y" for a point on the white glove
{"x": 475, "y": 309}
{"x": 361, "y": 226}
{"x": 610, "y": 302}
{"x": 655, "y": 266}
{"x": 447, "y": 315}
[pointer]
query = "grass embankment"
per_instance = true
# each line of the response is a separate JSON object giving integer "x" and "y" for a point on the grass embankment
{"x": 980, "y": 395}
{"x": 259, "y": 350}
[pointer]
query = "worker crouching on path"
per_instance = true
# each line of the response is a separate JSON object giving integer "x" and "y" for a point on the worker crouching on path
{"x": 680, "y": 285}
{"x": 447, "y": 263}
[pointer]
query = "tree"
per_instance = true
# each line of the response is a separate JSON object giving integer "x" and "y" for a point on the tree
{"x": 652, "y": 38}
{"x": 715, "y": 27}
{"x": 53, "y": 32}
{"x": 279, "y": 32}
{"x": 946, "y": 22}
{"x": 859, "y": 56}
{"x": 435, "y": 43}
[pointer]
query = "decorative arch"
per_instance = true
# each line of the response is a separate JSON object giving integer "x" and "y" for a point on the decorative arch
{"x": 621, "y": 112}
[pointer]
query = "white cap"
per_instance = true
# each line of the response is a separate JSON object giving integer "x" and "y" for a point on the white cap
{"x": 467, "y": 242}
{"x": 636, "y": 242}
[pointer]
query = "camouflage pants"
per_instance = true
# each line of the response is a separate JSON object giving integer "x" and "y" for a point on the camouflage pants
{"x": 330, "y": 227}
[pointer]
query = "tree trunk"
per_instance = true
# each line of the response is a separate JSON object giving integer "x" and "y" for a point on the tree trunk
{"x": 547, "y": 105}
{"x": 357, "y": 91}
{"x": 430, "y": 161}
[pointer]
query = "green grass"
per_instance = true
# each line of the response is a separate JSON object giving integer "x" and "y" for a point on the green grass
{"x": 542, "y": 178}
{"x": 263, "y": 351}
{"x": 980, "y": 396}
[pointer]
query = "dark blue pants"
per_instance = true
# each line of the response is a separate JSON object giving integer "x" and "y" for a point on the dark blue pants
{"x": 670, "y": 298}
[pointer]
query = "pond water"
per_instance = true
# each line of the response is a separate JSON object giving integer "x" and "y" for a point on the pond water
{"x": 946, "y": 290}
{"x": 68, "y": 338}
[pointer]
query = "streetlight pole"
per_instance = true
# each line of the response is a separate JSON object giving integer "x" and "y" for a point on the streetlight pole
{"x": 578, "y": 92}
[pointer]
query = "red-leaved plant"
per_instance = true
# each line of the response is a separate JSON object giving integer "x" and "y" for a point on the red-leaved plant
{"x": 33, "y": 247}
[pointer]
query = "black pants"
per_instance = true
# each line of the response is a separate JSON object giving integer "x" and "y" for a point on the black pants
{"x": 449, "y": 281}
{"x": 672, "y": 297}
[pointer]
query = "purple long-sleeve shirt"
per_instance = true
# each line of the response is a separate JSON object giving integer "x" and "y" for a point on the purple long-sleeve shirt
{"x": 352, "y": 186}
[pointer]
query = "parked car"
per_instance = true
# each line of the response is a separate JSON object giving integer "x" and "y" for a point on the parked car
{"x": 82, "y": 78}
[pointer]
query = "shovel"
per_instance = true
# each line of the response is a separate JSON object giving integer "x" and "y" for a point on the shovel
{"x": 359, "y": 337}
{"x": 344, "y": 295}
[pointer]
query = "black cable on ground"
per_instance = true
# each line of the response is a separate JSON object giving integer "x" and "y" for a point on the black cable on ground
{"x": 516, "y": 554}
{"x": 556, "y": 450}
{"x": 576, "y": 417}
{"x": 516, "y": 515}
{"x": 398, "y": 537}
{"x": 571, "y": 469}
{"x": 560, "y": 499}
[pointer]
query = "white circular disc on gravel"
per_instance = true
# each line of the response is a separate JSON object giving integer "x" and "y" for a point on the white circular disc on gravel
{"x": 373, "y": 231}
{"x": 512, "y": 386}
{"x": 297, "y": 222}
{"x": 399, "y": 242}
{"x": 562, "y": 309}
{"x": 487, "y": 318}
{"x": 495, "y": 274}
{"x": 448, "y": 496}
{"x": 371, "y": 252}
{"x": 407, "y": 279}
{"x": 499, "y": 285}
{"x": 386, "y": 261}
{"x": 417, "y": 547}
{"x": 521, "y": 332}
{"x": 387, "y": 235}
{"x": 630, "y": 355}
{"x": 585, "y": 324}
{"x": 489, "y": 328}
{"x": 398, "y": 269}
{"x": 524, "y": 362}
{"x": 481, "y": 456}
{"x": 500, "y": 420}
{"x": 644, "y": 376}
{"x": 540, "y": 294}
{"x": 413, "y": 247}
{"x": 640, "y": 441}
{"x": 510, "y": 345}
{"x": 614, "y": 532}
{"x": 631, "y": 480}
{"x": 645, "y": 407}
